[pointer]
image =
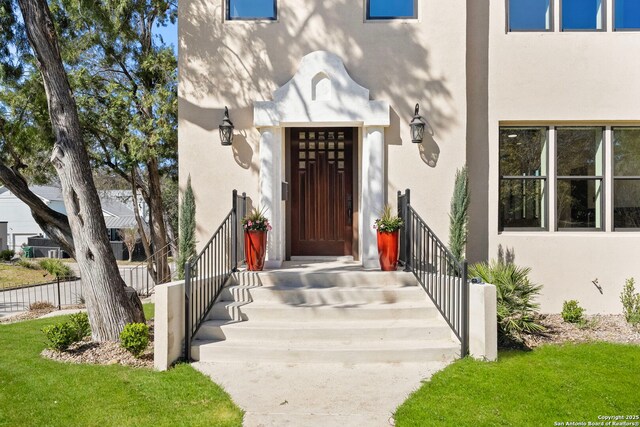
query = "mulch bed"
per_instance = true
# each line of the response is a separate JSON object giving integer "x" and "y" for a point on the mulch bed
{"x": 103, "y": 353}
{"x": 35, "y": 314}
{"x": 599, "y": 327}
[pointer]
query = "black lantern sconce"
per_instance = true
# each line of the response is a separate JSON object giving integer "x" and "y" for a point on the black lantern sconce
{"x": 417, "y": 126}
{"x": 226, "y": 129}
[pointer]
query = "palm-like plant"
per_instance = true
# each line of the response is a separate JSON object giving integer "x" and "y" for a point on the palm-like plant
{"x": 515, "y": 294}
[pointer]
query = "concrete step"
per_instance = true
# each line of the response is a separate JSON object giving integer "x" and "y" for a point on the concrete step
{"x": 227, "y": 310}
{"x": 372, "y": 330}
{"x": 296, "y": 295}
{"x": 338, "y": 278}
{"x": 259, "y": 311}
{"x": 386, "y": 351}
{"x": 237, "y": 293}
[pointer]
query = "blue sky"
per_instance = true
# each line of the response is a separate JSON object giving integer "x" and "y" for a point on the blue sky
{"x": 169, "y": 35}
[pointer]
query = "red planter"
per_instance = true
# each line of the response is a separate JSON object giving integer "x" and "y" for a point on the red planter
{"x": 388, "y": 250}
{"x": 255, "y": 249}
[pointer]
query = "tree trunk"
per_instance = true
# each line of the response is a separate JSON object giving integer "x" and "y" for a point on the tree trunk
{"x": 108, "y": 305}
{"x": 54, "y": 224}
{"x": 158, "y": 230}
{"x": 171, "y": 235}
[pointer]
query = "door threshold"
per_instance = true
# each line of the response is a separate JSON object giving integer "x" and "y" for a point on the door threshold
{"x": 344, "y": 258}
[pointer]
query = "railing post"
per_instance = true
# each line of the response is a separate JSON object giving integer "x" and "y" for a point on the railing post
{"x": 465, "y": 311}
{"x": 58, "y": 285}
{"x": 187, "y": 311}
{"x": 234, "y": 232}
{"x": 406, "y": 241}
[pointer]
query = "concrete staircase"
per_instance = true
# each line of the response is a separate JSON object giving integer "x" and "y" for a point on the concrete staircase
{"x": 328, "y": 316}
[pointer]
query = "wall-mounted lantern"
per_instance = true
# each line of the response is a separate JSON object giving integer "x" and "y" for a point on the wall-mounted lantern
{"x": 417, "y": 126}
{"x": 226, "y": 129}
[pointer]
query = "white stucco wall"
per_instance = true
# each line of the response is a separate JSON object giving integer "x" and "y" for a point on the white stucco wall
{"x": 562, "y": 78}
{"x": 400, "y": 62}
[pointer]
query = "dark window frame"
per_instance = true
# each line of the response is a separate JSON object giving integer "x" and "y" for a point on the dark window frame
{"x": 622, "y": 30}
{"x": 601, "y": 178}
{"x": 603, "y": 21}
{"x": 615, "y": 178}
{"x": 368, "y": 17}
{"x": 228, "y": 16}
{"x": 543, "y": 178}
{"x": 547, "y": 30}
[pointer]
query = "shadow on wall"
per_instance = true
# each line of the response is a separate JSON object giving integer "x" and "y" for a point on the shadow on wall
{"x": 242, "y": 62}
{"x": 429, "y": 149}
{"x": 506, "y": 256}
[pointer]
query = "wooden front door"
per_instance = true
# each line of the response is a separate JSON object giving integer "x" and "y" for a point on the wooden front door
{"x": 321, "y": 161}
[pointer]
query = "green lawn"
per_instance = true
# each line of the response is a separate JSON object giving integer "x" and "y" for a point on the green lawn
{"x": 550, "y": 384}
{"x": 16, "y": 276}
{"x": 38, "y": 392}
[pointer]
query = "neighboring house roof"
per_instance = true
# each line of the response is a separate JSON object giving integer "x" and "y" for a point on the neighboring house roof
{"x": 115, "y": 208}
{"x": 117, "y": 213}
{"x": 119, "y": 222}
{"x": 47, "y": 192}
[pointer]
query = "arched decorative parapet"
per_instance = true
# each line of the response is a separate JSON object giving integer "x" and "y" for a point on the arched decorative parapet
{"x": 321, "y": 91}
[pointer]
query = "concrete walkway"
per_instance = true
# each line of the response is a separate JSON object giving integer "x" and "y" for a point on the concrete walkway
{"x": 317, "y": 394}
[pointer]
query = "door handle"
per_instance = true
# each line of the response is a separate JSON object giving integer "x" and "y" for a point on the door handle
{"x": 349, "y": 208}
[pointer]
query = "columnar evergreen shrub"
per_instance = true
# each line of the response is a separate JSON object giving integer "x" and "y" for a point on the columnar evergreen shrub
{"x": 187, "y": 238}
{"x": 459, "y": 214}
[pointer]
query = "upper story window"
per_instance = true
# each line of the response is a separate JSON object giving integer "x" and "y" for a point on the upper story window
{"x": 392, "y": 9}
{"x": 251, "y": 9}
{"x": 529, "y": 15}
{"x": 627, "y": 15}
{"x": 585, "y": 15}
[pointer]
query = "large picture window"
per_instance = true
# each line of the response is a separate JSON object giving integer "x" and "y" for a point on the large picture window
{"x": 582, "y": 15}
{"x": 529, "y": 15}
{"x": 523, "y": 177}
{"x": 580, "y": 174}
{"x": 251, "y": 9}
{"x": 626, "y": 177}
{"x": 627, "y": 15}
{"x": 392, "y": 9}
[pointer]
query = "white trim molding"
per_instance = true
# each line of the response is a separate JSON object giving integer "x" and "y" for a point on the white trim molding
{"x": 322, "y": 93}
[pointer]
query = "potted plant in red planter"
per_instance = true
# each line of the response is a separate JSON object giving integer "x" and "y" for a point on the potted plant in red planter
{"x": 388, "y": 226}
{"x": 255, "y": 226}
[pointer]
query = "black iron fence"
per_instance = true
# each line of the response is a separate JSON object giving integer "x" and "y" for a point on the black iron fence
{"x": 66, "y": 291}
{"x": 61, "y": 292}
{"x": 440, "y": 274}
{"x": 206, "y": 274}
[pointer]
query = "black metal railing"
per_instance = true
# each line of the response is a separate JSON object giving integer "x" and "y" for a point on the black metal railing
{"x": 145, "y": 276}
{"x": 206, "y": 274}
{"x": 440, "y": 274}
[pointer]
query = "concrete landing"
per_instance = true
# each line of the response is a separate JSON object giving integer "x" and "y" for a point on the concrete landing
{"x": 326, "y": 395}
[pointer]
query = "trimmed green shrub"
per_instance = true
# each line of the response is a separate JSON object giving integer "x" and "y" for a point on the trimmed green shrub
{"x": 572, "y": 312}
{"x": 60, "y": 335}
{"x": 56, "y": 267}
{"x": 6, "y": 255}
{"x": 135, "y": 338}
{"x": 630, "y": 302}
{"x": 515, "y": 295}
{"x": 80, "y": 322}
